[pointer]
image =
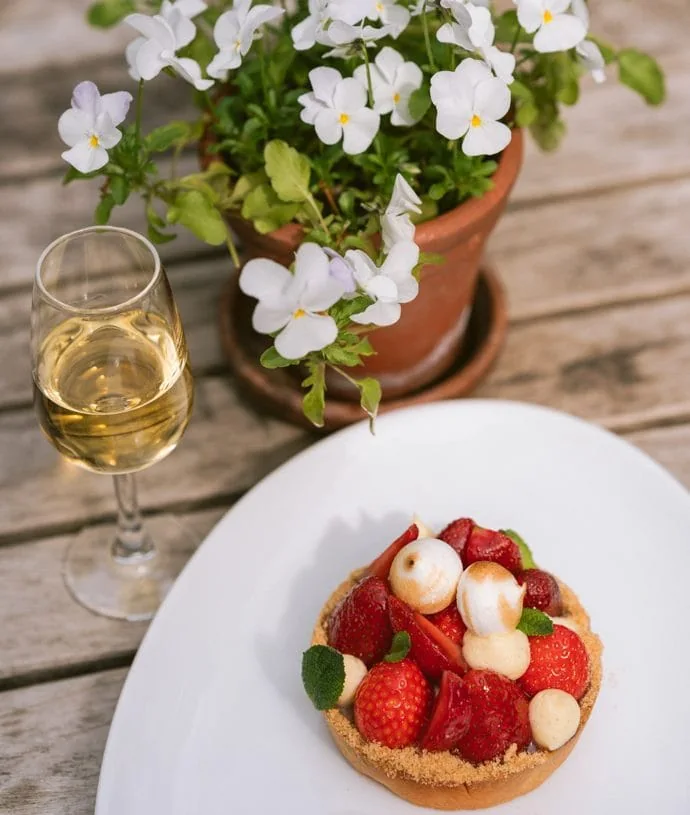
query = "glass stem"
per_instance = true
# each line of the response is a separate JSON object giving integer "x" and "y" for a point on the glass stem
{"x": 132, "y": 542}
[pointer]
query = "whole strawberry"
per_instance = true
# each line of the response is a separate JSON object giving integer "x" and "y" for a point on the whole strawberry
{"x": 557, "y": 660}
{"x": 450, "y": 623}
{"x": 392, "y": 704}
{"x": 499, "y": 717}
{"x": 360, "y": 625}
{"x": 450, "y": 717}
{"x": 457, "y": 533}
{"x": 487, "y": 544}
{"x": 542, "y": 591}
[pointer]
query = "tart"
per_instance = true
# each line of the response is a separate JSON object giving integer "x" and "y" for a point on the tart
{"x": 452, "y": 670}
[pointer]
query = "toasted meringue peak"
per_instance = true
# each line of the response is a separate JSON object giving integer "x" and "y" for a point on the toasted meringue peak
{"x": 425, "y": 575}
{"x": 424, "y": 530}
{"x": 489, "y": 599}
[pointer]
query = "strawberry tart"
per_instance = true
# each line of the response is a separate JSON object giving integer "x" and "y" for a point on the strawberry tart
{"x": 452, "y": 670}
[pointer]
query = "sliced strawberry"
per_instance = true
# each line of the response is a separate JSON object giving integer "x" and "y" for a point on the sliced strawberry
{"x": 486, "y": 544}
{"x": 382, "y": 565}
{"x": 450, "y": 717}
{"x": 431, "y": 649}
{"x": 542, "y": 591}
{"x": 450, "y": 623}
{"x": 457, "y": 533}
{"x": 557, "y": 660}
{"x": 499, "y": 717}
{"x": 360, "y": 624}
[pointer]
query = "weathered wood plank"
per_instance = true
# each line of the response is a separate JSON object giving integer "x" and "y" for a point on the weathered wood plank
{"x": 53, "y": 737}
{"x": 43, "y": 632}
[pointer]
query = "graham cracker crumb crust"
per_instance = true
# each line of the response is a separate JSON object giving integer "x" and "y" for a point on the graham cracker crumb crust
{"x": 444, "y": 769}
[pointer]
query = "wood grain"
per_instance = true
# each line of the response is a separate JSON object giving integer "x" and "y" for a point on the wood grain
{"x": 53, "y": 736}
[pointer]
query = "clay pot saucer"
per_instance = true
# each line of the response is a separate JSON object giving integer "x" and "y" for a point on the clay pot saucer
{"x": 279, "y": 390}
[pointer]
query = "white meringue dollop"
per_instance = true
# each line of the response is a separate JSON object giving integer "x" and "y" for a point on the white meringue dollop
{"x": 425, "y": 575}
{"x": 489, "y": 598}
{"x": 506, "y": 653}
{"x": 554, "y": 717}
{"x": 355, "y": 671}
{"x": 424, "y": 530}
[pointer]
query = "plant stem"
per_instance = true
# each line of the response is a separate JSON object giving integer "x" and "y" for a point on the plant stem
{"x": 342, "y": 373}
{"x": 427, "y": 39}
{"x": 312, "y": 203}
{"x": 516, "y": 37}
{"x": 262, "y": 65}
{"x": 140, "y": 104}
{"x": 370, "y": 87}
{"x": 233, "y": 250}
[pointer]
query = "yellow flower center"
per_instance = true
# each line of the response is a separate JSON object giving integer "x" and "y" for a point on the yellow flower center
{"x": 299, "y": 313}
{"x": 238, "y": 45}
{"x": 548, "y": 17}
{"x": 344, "y": 119}
{"x": 380, "y": 8}
{"x": 396, "y": 98}
{"x": 476, "y": 121}
{"x": 94, "y": 142}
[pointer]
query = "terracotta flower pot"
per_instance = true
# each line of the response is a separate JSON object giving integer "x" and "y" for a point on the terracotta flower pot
{"x": 425, "y": 342}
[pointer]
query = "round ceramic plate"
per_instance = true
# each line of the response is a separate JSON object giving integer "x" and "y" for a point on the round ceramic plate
{"x": 213, "y": 719}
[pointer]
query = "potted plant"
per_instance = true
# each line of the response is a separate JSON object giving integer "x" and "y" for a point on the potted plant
{"x": 371, "y": 142}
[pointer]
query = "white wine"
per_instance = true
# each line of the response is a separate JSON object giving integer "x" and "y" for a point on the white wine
{"x": 113, "y": 395}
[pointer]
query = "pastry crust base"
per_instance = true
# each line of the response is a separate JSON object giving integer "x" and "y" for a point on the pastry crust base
{"x": 443, "y": 780}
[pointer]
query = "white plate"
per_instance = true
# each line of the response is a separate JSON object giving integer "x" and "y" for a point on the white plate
{"x": 213, "y": 719}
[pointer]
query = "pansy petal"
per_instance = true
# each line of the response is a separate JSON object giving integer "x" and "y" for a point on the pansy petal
{"x": 349, "y": 96}
{"x": 360, "y": 131}
{"x": 396, "y": 229}
{"x": 106, "y": 132}
{"x": 491, "y": 99}
{"x": 482, "y": 30}
{"x": 530, "y": 14}
{"x": 260, "y": 15}
{"x": 348, "y": 11}
{"x": 397, "y": 18}
{"x": 191, "y": 8}
{"x": 149, "y": 60}
{"x": 408, "y": 289}
{"x": 74, "y": 126}
{"x": 470, "y": 73}
{"x": 404, "y": 198}
{"x": 182, "y": 27}
{"x": 580, "y": 10}
{"x": 306, "y": 333}
{"x": 324, "y": 81}
{"x": 452, "y": 123}
{"x": 401, "y": 116}
{"x": 311, "y": 107}
{"x": 116, "y": 105}
{"x": 86, "y": 98}
{"x": 131, "y": 52}
{"x": 409, "y": 74}
{"x": 401, "y": 260}
{"x": 85, "y": 158}
{"x": 190, "y": 70}
{"x": 227, "y": 29}
{"x": 557, "y": 6}
{"x": 389, "y": 61}
{"x": 314, "y": 286}
{"x": 378, "y": 314}
{"x": 340, "y": 33}
{"x": 223, "y": 62}
{"x": 304, "y": 34}
{"x": 382, "y": 288}
{"x": 328, "y": 127}
{"x": 266, "y": 318}
{"x": 442, "y": 86}
{"x": 565, "y": 31}
{"x": 153, "y": 28}
{"x": 502, "y": 63}
{"x": 363, "y": 266}
{"x": 592, "y": 59}
{"x": 487, "y": 139}
{"x": 263, "y": 278}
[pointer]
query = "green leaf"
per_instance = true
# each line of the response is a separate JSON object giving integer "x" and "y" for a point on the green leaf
{"x": 548, "y": 129}
{"x": 526, "y": 114}
{"x": 244, "y": 185}
{"x": 506, "y": 27}
{"x": 288, "y": 170}
{"x": 314, "y": 402}
{"x": 109, "y": 12}
{"x": 323, "y": 676}
{"x": 608, "y": 52}
{"x": 119, "y": 189}
{"x": 520, "y": 91}
{"x": 642, "y": 73}
{"x": 570, "y": 91}
{"x": 400, "y": 647}
{"x": 420, "y": 102}
{"x": 163, "y": 138}
{"x": 535, "y": 623}
{"x": 341, "y": 356}
{"x": 104, "y": 210}
{"x": 158, "y": 237}
{"x": 525, "y": 552}
{"x": 266, "y": 211}
{"x": 272, "y": 359}
{"x": 370, "y": 391}
{"x": 194, "y": 210}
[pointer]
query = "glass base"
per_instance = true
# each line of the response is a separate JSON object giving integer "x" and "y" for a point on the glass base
{"x": 131, "y": 588}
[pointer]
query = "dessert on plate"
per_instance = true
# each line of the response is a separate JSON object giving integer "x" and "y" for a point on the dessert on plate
{"x": 452, "y": 670}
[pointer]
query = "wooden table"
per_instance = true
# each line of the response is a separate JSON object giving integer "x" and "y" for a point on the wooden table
{"x": 594, "y": 252}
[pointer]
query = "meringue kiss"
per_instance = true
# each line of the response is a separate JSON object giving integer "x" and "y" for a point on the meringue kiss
{"x": 489, "y": 599}
{"x": 425, "y": 575}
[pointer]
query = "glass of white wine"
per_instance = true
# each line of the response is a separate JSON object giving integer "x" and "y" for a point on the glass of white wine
{"x": 113, "y": 392}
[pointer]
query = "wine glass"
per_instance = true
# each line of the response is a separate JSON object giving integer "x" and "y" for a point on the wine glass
{"x": 113, "y": 392}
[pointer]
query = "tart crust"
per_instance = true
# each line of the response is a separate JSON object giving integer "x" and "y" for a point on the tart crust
{"x": 443, "y": 780}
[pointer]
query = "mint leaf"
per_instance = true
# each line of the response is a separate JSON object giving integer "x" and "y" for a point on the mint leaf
{"x": 272, "y": 359}
{"x": 288, "y": 170}
{"x": 400, "y": 647}
{"x": 642, "y": 73}
{"x": 535, "y": 623}
{"x": 525, "y": 552}
{"x": 323, "y": 675}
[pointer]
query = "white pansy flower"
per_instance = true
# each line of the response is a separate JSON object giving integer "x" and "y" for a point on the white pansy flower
{"x": 590, "y": 57}
{"x": 393, "y": 81}
{"x": 473, "y": 30}
{"x": 469, "y": 102}
{"x": 89, "y": 127}
{"x": 390, "y": 14}
{"x": 323, "y": 14}
{"x": 157, "y": 48}
{"x": 396, "y": 226}
{"x": 294, "y": 304}
{"x": 234, "y": 33}
{"x": 337, "y": 109}
{"x": 555, "y": 29}
{"x": 341, "y": 271}
{"x": 389, "y": 286}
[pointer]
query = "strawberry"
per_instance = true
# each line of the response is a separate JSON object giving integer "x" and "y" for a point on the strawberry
{"x": 450, "y": 717}
{"x": 456, "y": 534}
{"x": 450, "y": 623}
{"x": 557, "y": 660}
{"x": 431, "y": 649}
{"x": 499, "y": 717}
{"x": 360, "y": 624}
{"x": 382, "y": 565}
{"x": 542, "y": 591}
{"x": 392, "y": 703}
{"x": 486, "y": 544}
